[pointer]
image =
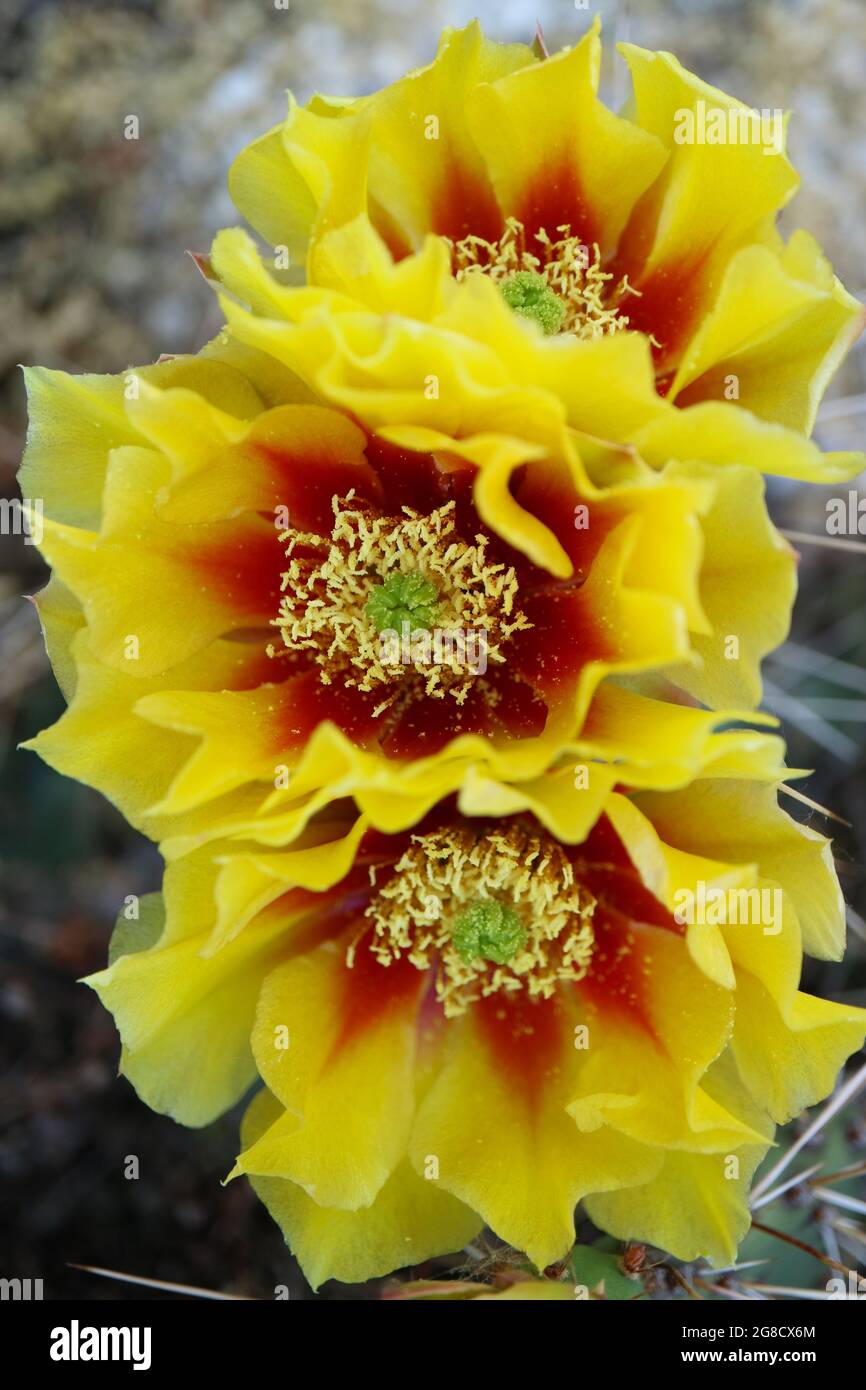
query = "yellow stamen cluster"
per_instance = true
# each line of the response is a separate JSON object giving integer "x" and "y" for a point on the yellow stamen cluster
{"x": 566, "y": 265}
{"x": 444, "y": 873}
{"x": 329, "y": 582}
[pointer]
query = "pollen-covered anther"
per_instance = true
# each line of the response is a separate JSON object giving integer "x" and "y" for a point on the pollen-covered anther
{"x": 488, "y": 912}
{"x": 398, "y": 604}
{"x": 568, "y": 292}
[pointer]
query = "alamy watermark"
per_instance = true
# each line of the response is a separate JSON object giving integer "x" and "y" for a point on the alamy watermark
{"x": 20, "y": 1290}
{"x": 846, "y": 516}
{"x": 855, "y": 1287}
{"x": 22, "y": 518}
{"x": 438, "y": 646}
{"x": 729, "y": 125}
{"x": 77, "y": 1343}
{"x": 719, "y": 907}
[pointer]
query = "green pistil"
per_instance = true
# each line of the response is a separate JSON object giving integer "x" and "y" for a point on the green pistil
{"x": 530, "y": 295}
{"x": 403, "y": 598}
{"x": 488, "y": 930}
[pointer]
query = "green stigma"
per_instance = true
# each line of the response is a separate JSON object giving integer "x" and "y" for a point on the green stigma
{"x": 489, "y": 930}
{"x": 403, "y": 598}
{"x": 529, "y": 295}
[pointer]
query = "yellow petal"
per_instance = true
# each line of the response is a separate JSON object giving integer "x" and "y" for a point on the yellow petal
{"x": 691, "y": 1208}
{"x": 495, "y": 1121}
{"x": 80, "y": 419}
{"x": 101, "y": 741}
{"x": 778, "y": 330}
{"x": 346, "y": 1071}
{"x": 410, "y": 1219}
{"x": 555, "y": 154}
{"x": 742, "y": 823}
{"x": 185, "y": 1021}
{"x": 743, "y": 554}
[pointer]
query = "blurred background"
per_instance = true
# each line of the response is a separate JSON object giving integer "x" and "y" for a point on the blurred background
{"x": 93, "y": 277}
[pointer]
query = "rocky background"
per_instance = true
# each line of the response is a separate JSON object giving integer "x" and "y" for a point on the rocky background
{"x": 93, "y": 277}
